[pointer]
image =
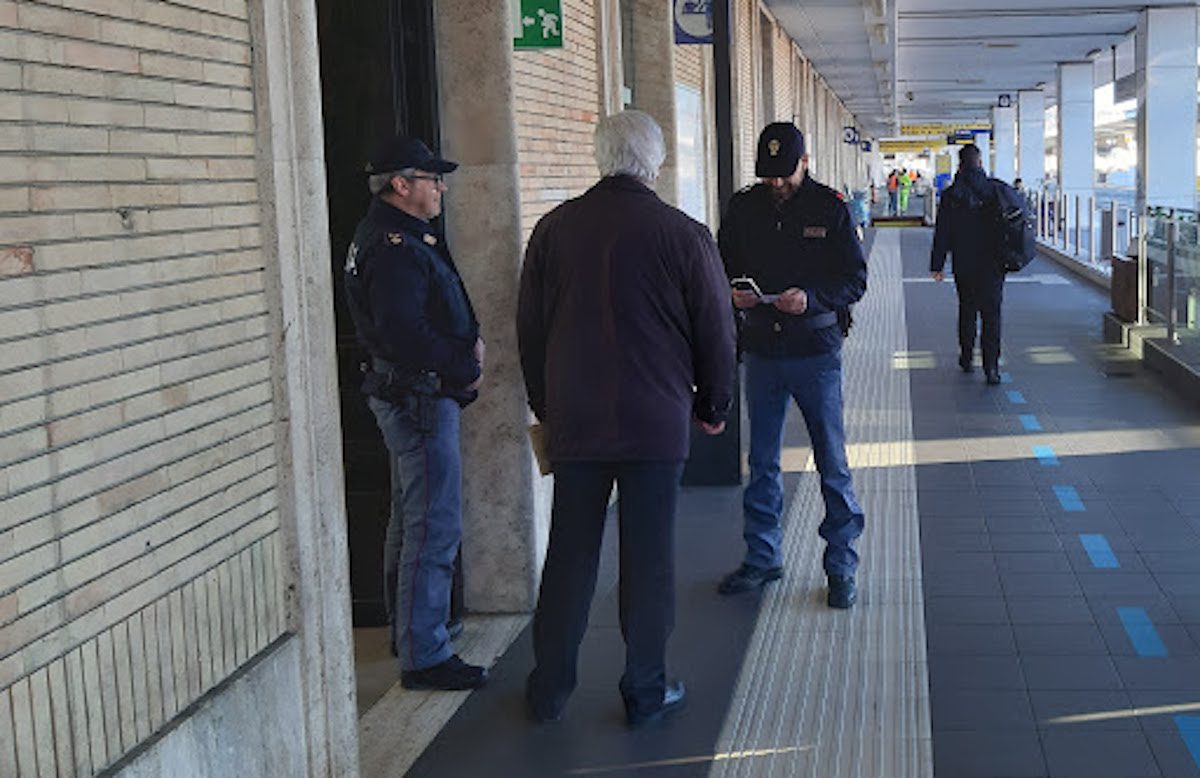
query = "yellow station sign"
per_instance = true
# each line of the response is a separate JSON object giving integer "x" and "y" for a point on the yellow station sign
{"x": 899, "y": 146}
{"x": 921, "y": 130}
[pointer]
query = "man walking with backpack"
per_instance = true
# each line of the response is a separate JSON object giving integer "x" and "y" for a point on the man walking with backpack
{"x": 967, "y": 228}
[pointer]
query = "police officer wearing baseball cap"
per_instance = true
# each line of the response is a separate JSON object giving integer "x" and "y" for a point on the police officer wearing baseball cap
{"x": 414, "y": 317}
{"x": 795, "y": 265}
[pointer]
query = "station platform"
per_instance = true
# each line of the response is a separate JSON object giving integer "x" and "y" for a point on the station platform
{"x": 1029, "y": 587}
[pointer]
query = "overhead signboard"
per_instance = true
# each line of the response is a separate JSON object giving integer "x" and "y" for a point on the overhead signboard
{"x": 940, "y": 130}
{"x": 899, "y": 146}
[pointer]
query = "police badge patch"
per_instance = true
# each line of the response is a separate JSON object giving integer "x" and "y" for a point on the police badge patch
{"x": 773, "y": 147}
{"x": 395, "y": 238}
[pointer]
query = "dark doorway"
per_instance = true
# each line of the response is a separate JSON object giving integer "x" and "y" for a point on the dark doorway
{"x": 377, "y": 78}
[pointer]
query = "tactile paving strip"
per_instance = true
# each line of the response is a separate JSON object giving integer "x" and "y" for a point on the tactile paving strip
{"x": 824, "y": 693}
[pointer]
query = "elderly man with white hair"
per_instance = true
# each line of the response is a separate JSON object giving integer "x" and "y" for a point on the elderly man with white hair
{"x": 625, "y": 334}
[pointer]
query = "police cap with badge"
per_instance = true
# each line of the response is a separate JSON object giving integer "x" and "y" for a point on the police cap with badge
{"x": 780, "y": 147}
{"x": 403, "y": 153}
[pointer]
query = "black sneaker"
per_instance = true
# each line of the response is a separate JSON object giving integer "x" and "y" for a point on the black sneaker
{"x": 992, "y": 376}
{"x": 673, "y": 699}
{"x": 965, "y": 364}
{"x": 842, "y": 591}
{"x": 452, "y": 675}
{"x": 746, "y": 578}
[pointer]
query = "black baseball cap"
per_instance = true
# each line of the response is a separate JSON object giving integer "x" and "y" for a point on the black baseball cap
{"x": 403, "y": 152}
{"x": 780, "y": 147}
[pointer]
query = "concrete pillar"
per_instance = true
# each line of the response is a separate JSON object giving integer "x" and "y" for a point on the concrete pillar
{"x": 653, "y": 87}
{"x": 1165, "y": 73}
{"x": 984, "y": 141}
{"x": 1004, "y": 131}
{"x": 503, "y": 495}
{"x": 1076, "y": 134}
{"x": 296, "y": 251}
{"x": 1031, "y": 135}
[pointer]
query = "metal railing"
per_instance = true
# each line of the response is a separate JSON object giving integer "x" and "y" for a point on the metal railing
{"x": 1169, "y": 273}
{"x": 1089, "y": 228}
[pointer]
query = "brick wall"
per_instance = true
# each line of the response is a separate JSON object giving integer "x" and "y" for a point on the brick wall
{"x": 557, "y": 105}
{"x": 139, "y": 552}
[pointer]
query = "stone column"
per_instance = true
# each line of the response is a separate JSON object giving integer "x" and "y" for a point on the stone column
{"x": 984, "y": 141}
{"x": 1031, "y": 135}
{"x": 504, "y": 510}
{"x": 1076, "y": 134}
{"x": 1004, "y": 132}
{"x": 291, "y": 174}
{"x": 653, "y": 87}
{"x": 1165, "y": 73}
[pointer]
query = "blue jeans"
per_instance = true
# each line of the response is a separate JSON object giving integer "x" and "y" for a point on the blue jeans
{"x": 427, "y": 490}
{"x": 815, "y": 383}
{"x": 647, "y": 493}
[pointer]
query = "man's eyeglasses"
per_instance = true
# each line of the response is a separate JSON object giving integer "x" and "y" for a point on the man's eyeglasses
{"x": 436, "y": 178}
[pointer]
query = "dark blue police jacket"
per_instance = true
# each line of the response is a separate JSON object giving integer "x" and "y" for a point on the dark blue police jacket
{"x": 807, "y": 241}
{"x": 965, "y": 230}
{"x": 408, "y": 302}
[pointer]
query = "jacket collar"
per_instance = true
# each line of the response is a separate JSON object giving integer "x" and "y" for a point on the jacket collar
{"x": 973, "y": 178}
{"x": 390, "y": 217}
{"x": 623, "y": 183}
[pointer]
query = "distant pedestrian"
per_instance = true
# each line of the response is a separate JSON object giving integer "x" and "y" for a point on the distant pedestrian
{"x": 964, "y": 230}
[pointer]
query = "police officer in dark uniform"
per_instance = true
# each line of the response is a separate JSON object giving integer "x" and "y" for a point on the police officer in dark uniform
{"x": 796, "y": 266}
{"x": 965, "y": 230}
{"x": 413, "y": 316}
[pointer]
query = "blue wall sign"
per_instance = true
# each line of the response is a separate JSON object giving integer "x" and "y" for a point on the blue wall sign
{"x": 693, "y": 21}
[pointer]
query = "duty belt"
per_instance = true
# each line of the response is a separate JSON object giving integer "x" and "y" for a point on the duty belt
{"x": 818, "y": 321}
{"x": 423, "y": 381}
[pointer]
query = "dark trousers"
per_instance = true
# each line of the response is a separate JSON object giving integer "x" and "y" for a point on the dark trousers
{"x": 647, "y": 493}
{"x": 979, "y": 298}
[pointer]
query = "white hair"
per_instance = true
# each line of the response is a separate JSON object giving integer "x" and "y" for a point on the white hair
{"x": 629, "y": 143}
{"x": 378, "y": 182}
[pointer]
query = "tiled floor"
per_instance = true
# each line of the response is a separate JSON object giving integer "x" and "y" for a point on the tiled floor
{"x": 1045, "y": 658}
{"x": 1059, "y": 519}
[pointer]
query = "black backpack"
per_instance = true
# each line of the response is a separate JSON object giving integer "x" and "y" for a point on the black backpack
{"x": 1016, "y": 234}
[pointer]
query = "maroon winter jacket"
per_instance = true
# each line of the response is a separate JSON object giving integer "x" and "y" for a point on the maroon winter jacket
{"x": 625, "y": 326}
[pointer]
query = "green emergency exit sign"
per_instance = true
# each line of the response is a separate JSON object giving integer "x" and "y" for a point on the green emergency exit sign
{"x": 537, "y": 24}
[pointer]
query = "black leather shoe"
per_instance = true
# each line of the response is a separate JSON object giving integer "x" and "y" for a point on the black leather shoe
{"x": 842, "y": 591}
{"x": 452, "y": 675}
{"x": 992, "y": 376}
{"x": 673, "y": 698}
{"x": 965, "y": 364}
{"x": 747, "y": 578}
{"x": 538, "y": 712}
